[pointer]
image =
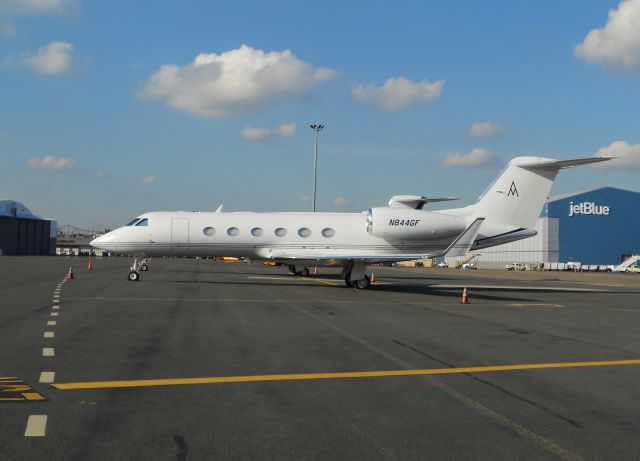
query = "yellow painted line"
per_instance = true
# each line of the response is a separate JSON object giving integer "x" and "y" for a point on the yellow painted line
{"x": 32, "y": 396}
{"x": 290, "y": 277}
{"x": 339, "y": 375}
{"x": 535, "y": 305}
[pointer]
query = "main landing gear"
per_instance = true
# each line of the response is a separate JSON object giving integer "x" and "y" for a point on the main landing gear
{"x": 134, "y": 272}
{"x": 299, "y": 270}
{"x": 355, "y": 277}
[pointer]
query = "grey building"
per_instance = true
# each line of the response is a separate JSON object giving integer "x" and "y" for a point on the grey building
{"x": 23, "y": 233}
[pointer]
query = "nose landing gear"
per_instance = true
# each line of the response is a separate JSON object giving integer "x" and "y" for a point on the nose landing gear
{"x": 134, "y": 272}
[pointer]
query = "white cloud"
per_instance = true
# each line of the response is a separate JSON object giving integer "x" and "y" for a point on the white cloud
{"x": 256, "y": 134}
{"x": 617, "y": 45}
{"x": 32, "y": 6}
{"x": 285, "y": 130}
{"x": 341, "y": 202}
{"x": 236, "y": 82}
{"x": 629, "y": 155}
{"x": 100, "y": 174}
{"x": 478, "y": 157}
{"x": 51, "y": 163}
{"x": 149, "y": 180}
{"x": 397, "y": 93}
{"x": 486, "y": 130}
{"x": 304, "y": 198}
{"x": 54, "y": 58}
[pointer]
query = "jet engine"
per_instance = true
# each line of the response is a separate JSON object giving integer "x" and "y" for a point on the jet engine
{"x": 397, "y": 223}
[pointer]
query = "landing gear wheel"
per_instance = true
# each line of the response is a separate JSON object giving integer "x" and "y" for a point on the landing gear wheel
{"x": 134, "y": 276}
{"x": 362, "y": 284}
{"x": 144, "y": 268}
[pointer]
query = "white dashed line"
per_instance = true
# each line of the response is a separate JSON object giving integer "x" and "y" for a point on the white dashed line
{"x": 49, "y": 334}
{"x": 51, "y": 322}
{"x": 48, "y": 352}
{"x": 54, "y": 314}
{"x": 47, "y": 376}
{"x": 56, "y": 300}
{"x": 55, "y": 307}
{"x": 36, "y": 426}
{"x": 56, "y": 296}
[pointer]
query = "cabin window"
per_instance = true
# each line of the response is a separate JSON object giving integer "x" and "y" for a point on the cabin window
{"x": 133, "y": 222}
{"x": 304, "y": 232}
{"x": 280, "y": 232}
{"x": 143, "y": 222}
{"x": 208, "y": 231}
{"x": 328, "y": 232}
{"x": 257, "y": 231}
{"x": 233, "y": 231}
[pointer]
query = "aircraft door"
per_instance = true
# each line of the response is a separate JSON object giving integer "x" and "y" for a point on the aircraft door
{"x": 180, "y": 236}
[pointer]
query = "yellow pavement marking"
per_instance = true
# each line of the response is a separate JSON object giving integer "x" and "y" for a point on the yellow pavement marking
{"x": 514, "y": 287}
{"x": 535, "y": 305}
{"x": 339, "y": 375}
{"x": 290, "y": 277}
{"x": 13, "y": 389}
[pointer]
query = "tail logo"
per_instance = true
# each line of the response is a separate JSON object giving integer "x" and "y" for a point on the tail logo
{"x": 513, "y": 190}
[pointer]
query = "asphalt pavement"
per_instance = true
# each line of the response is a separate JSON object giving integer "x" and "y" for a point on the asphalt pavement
{"x": 203, "y": 360}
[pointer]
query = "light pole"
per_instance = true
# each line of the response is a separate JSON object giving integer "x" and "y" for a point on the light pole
{"x": 317, "y": 129}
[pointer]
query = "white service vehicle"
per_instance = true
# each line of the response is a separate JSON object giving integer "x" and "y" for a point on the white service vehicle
{"x": 401, "y": 231}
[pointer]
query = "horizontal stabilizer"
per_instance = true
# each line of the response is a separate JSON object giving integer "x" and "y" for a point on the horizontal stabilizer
{"x": 559, "y": 164}
{"x": 462, "y": 244}
{"x": 415, "y": 202}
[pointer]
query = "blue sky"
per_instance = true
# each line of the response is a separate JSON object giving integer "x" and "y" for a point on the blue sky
{"x": 94, "y": 130}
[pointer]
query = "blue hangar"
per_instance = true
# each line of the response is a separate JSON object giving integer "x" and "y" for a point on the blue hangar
{"x": 599, "y": 226}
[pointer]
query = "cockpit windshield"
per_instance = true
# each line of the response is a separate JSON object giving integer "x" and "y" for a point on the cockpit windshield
{"x": 143, "y": 222}
{"x": 133, "y": 222}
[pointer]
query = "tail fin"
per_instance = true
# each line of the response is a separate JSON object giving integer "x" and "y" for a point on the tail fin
{"x": 517, "y": 196}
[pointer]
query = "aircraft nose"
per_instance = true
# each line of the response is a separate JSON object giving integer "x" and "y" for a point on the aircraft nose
{"x": 103, "y": 239}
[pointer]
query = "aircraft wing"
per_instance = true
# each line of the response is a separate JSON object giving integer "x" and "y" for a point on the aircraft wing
{"x": 309, "y": 260}
{"x": 462, "y": 244}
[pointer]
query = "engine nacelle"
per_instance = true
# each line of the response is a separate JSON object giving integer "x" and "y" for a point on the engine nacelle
{"x": 394, "y": 223}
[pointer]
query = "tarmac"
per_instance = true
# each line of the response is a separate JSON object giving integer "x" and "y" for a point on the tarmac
{"x": 202, "y": 360}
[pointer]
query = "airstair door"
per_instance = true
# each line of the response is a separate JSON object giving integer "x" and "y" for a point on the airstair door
{"x": 180, "y": 236}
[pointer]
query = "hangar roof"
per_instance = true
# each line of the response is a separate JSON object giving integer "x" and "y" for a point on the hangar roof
{"x": 13, "y": 209}
{"x": 555, "y": 198}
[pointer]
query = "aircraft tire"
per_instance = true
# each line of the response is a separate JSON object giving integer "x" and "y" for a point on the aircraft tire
{"x": 133, "y": 276}
{"x": 362, "y": 284}
{"x": 144, "y": 268}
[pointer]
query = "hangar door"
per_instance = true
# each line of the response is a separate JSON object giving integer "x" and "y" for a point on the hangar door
{"x": 180, "y": 235}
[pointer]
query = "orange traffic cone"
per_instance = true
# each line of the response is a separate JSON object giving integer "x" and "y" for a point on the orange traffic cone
{"x": 465, "y": 297}
{"x": 373, "y": 278}
{"x": 70, "y": 274}
{"x": 90, "y": 265}
{"x": 315, "y": 270}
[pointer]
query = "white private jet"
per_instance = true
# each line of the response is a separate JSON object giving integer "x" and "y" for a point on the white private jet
{"x": 401, "y": 231}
